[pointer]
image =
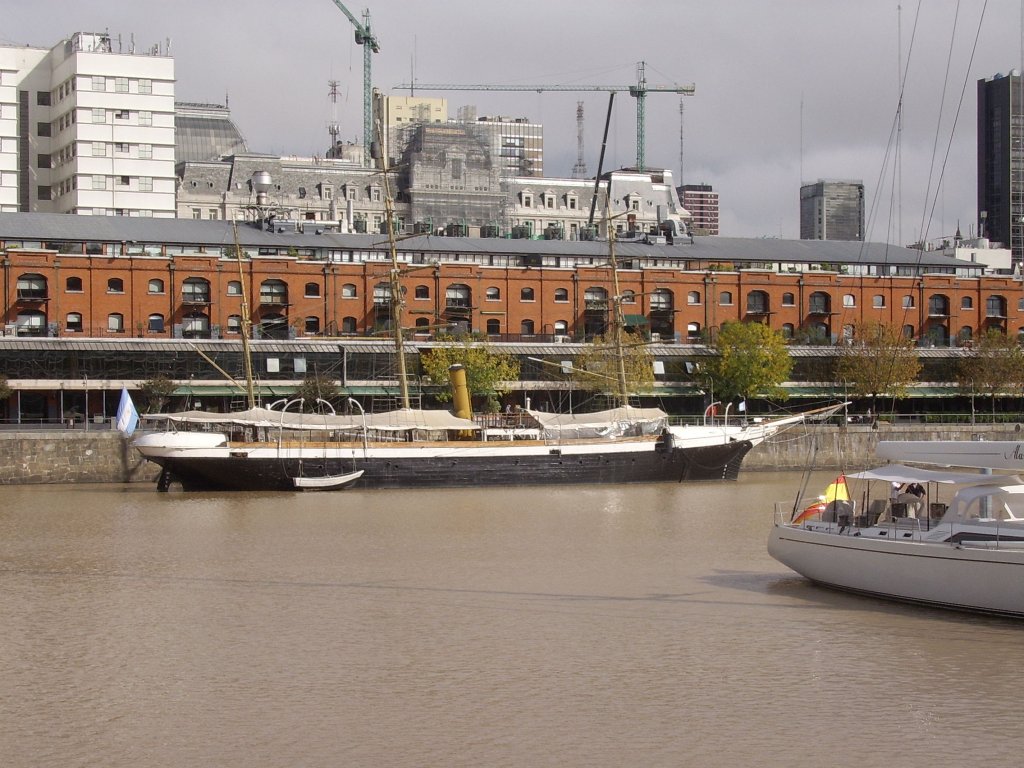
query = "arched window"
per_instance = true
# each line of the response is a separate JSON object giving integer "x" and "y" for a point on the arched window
{"x": 73, "y": 322}
{"x": 693, "y": 297}
{"x": 422, "y": 325}
{"x": 820, "y": 303}
{"x": 156, "y": 285}
{"x": 849, "y": 300}
{"x": 311, "y": 325}
{"x": 561, "y": 295}
{"x": 115, "y": 285}
{"x": 878, "y": 301}
{"x": 938, "y": 305}
{"x": 995, "y": 306}
{"x": 348, "y": 325}
{"x": 493, "y": 294}
{"x": 31, "y": 287}
{"x": 966, "y": 302}
{"x": 788, "y": 330}
{"x": 526, "y": 328}
{"x": 596, "y": 297}
{"x": 819, "y": 333}
{"x": 848, "y": 333}
{"x": 422, "y": 292}
{"x": 234, "y": 324}
{"x": 195, "y": 290}
{"x": 195, "y": 326}
{"x": 788, "y": 300}
{"x": 31, "y": 322}
{"x": 966, "y": 334}
{"x": 234, "y": 288}
{"x": 458, "y": 296}
{"x": 757, "y": 303}
{"x": 273, "y": 326}
{"x": 115, "y": 322}
{"x": 493, "y": 327}
{"x": 348, "y": 291}
{"x": 155, "y": 323}
{"x": 908, "y": 331}
{"x": 629, "y": 297}
{"x": 908, "y": 302}
{"x": 73, "y": 285}
{"x": 526, "y": 294}
{"x": 311, "y": 290}
{"x": 274, "y": 292}
{"x": 725, "y": 298}
{"x": 561, "y": 328}
{"x": 693, "y": 332}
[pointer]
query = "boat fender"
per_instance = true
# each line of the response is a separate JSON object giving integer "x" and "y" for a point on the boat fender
{"x": 666, "y": 442}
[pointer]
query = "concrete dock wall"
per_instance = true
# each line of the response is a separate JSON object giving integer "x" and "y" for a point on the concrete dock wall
{"x": 106, "y": 457}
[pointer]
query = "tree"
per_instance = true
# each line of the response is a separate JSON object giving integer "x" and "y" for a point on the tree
{"x": 879, "y": 360}
{"x": 994, "y": 366}
{"x": 5, "y": 393}
{"x": 752, "y": 360}
{"x": 157, "y": 393}
{"x": 597, "y": 366}
{"x": 485, "y": 368}
{"x": 316, "y": 386}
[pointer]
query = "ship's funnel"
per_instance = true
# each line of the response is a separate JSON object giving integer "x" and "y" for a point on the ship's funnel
{"x": 460, "y": 392}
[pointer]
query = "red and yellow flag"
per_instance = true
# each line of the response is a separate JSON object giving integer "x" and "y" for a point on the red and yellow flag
{"x": 836, "y": 491}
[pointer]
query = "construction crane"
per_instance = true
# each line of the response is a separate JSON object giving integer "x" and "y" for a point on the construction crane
{"x": 370, "y": 45}
{"x": 638, "y": 92}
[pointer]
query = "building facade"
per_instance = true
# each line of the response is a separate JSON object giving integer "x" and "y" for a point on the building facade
{"x": 87, "y": 130}
{"x": 1001, "y": 162}
{"x": 183, "y": 279}
{"x": 832, "y": 210}
{"x": 702, "y": 203}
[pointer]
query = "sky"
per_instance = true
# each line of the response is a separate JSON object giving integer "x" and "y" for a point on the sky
{"x": 786, "y": 90}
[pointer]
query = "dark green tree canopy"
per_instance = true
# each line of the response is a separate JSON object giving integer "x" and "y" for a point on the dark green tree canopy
{"x": 486, "y": 368}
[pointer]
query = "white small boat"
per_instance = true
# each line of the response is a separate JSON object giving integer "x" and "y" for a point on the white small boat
{"x": 965, "y": 554}
{"x": 327, "y": 482}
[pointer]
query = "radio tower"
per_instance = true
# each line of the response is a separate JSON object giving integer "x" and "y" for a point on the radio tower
{"x": 332, "y": 127}
{"x": 579, "y": 171}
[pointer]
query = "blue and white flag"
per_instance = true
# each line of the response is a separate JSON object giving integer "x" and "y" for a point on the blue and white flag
{"x": 127, "y": 416}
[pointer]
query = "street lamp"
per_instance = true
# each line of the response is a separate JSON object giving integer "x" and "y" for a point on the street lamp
{"x": 85, "y": 408}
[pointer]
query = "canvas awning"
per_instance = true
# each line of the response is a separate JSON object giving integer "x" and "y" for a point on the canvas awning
{"x": 635, "y": 320}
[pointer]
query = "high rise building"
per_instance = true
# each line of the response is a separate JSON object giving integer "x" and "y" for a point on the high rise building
{"x": 832, "y": 210}
{"x": 85, "y": 129}
{"x": 1001, "y": 162}
{"x": 519, "y": 144}
{"x": 702, "y": 203}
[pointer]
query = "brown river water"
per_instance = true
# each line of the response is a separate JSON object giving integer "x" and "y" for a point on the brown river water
{"x": 577, "y": 626}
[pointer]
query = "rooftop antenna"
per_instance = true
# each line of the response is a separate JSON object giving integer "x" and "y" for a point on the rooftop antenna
{"x": 332, "y": 127}
{"x": 579, "y": 171}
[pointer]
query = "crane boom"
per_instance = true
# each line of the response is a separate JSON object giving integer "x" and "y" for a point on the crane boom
{"x": 638, "y": 91}
{"x": 371, "y": 45}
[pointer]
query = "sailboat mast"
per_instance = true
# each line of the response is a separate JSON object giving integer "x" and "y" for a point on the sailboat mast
{"x": 397, "y": 301}
{"x": 622, "y": 395}
{"x": 250, "y": 388}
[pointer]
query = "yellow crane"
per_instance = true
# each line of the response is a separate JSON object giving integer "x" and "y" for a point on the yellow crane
{"x": 638, "y": 91}
{"x": 368, "y": 40}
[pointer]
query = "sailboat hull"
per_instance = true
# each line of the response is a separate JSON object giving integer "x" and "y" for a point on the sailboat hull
{"x": 226, "y": 469}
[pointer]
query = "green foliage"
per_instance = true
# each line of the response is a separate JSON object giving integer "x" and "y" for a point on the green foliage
{"x": 752, "y": 360}
{"x": 994, "y": 366}
{"x": 316, "y": 386}
{"x": 156, "y": 393}
{"x": 5, "y": 390}
{"x": 878, "y": 361}
{"x": 485, "y": 367}
{"x": 597, "y": 367}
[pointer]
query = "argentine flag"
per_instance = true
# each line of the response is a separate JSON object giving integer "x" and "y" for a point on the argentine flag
{"x": 127, "y": 416}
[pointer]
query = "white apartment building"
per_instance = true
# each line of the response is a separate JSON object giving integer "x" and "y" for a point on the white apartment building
{"x": 86, "y": 129}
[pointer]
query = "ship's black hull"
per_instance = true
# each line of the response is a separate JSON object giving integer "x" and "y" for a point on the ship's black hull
{"x": 240, "y": 473}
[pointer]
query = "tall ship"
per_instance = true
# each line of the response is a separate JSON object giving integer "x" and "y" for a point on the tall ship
{"x": 261, "y": 449}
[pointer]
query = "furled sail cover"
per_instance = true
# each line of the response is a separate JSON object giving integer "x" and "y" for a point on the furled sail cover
{"x": 625, "y": 421}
